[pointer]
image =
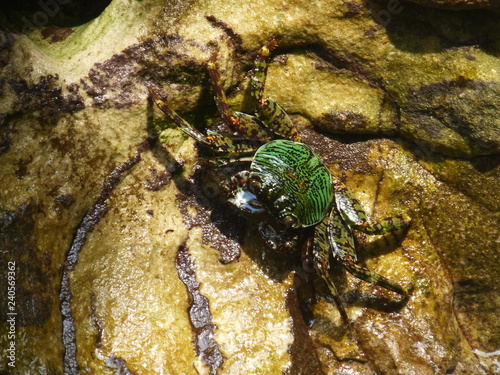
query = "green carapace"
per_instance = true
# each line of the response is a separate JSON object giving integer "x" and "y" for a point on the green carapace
{"x": 295, "y": 184}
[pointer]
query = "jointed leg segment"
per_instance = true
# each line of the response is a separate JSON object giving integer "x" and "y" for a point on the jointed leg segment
{"x": 321, "y": 259}
{"x": 245, "y": 125}
{"x": 269, "y": 112}
{"x": 352, "y": 212}
{"x": 349, "y": 213}
{"x": 260, "y": 71}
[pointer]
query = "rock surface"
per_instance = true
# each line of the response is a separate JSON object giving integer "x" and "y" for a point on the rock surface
{"x": 129, "y": 261}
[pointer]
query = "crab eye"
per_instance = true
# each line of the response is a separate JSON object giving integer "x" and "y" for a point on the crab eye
{"x": 290, "y": 221}
{"x": 254, "y": 185}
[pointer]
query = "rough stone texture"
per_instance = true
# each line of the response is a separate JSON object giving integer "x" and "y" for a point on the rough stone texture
{"x": 127, "y": 258}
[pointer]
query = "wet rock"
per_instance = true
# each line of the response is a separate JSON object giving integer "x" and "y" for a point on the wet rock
{"x": 128, "y": 258}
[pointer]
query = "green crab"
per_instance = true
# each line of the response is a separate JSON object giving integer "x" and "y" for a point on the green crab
{"x": 288, "y": 180}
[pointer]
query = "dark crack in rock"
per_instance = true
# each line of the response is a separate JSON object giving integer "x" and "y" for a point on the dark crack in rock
{"x": 236, "y": 40}
{"x": 89, "y": 221}
{"x": 199, "y": 313}
{"x": 119, "y": 365}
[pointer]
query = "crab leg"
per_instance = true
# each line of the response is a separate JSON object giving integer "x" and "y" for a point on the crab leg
{"x": 245, "y": 125}
{"x": 228, "y": 146}
{"x": 352, "y": 212}
{"x": 185, "y": 126}
{"x": 285, "y": 240}
{"x": 218, "y": 91}
{"x": 342, "y": 244}
{"x": 277, "y": 121}
{"x": 260, "y": 71}
{"x": 272, "y": 115}
{"x": 321, "y": 259}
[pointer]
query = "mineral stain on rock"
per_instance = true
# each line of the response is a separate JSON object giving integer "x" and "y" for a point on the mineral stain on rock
{"x": 56, "y": 34}
{"x": 17, "y": 244}
{"x": 119, "y": 365}
{"x": 46, "y": 97}
{"x": 213, "y": 215}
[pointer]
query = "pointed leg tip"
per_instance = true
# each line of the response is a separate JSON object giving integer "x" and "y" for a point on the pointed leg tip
{"x": 153, "y": 94}
{"x": 213, "y": 55}
{"x": 273, "y": 44}
{"x": 409, "y": 291}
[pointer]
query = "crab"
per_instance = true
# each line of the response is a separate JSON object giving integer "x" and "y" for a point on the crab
{"x": 289, "y": 181}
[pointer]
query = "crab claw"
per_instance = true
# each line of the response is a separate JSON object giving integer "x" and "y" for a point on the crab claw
{"x": 246, "y": 201}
